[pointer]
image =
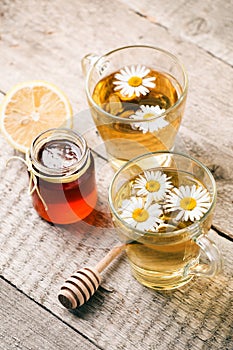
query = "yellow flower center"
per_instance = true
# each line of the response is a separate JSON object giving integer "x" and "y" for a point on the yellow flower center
{"x": 148, "y": 115}
{"x": 188, "y": 203}
{"x": 135, "y": 81}
{"x": 140, "y": 214}
{"x": 152, "y": 186}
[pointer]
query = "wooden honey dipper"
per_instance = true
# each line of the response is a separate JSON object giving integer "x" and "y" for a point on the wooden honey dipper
{"x": 78, "y": 288}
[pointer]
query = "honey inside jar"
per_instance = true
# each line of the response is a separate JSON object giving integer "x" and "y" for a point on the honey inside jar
{"x": 65, "y": 176}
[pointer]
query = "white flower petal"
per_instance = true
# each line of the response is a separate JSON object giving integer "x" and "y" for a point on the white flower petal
{"x": 142, "y": 182}
{"x": 150, "y": 79}
{"x": 127, "y": 213}
{"x": 123, "y": 72}
{"x": 180, "y": 215}
{"x": 120, "y": 77}
{"x": 146, "y": 82}
{"x": 141, "y": 90}
{"x": 152, "y": 124}
{"x": 133, "y": 71}
{"x": 199, "y": 194}
{"x": 141, "y": 192}
{"x": 130, "y": 221}
{"x": 129, "y": 71}
{"x": 118, "y": 87}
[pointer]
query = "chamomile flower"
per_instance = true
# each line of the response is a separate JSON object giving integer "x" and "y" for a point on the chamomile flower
{"x": 147, "y": 113}
{"x": 131, "y": 81}
{"x": 191, "y": 202}
{"x": 141, "y": 215}
{"x": 153, "y": 184}
{"x": 164, "y": 228}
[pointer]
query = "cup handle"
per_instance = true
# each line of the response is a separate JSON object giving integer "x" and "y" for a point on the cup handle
{"x": 214, "y": 265}
{"x": 88, "y": 61}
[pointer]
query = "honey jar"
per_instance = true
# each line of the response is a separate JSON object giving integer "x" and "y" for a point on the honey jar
{"x": 62, "y": 176}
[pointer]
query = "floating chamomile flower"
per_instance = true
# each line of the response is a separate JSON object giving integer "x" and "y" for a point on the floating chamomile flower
{"x": 192, "y": 202}
{"x": 131, "y": 81}
{"x": 164, "y": 228}
{"x": 140, "y": 215}
{"x": 153, "y": 184}
{"x": 147, "y": 113}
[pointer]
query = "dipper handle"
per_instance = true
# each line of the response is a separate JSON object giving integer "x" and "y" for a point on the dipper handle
{"x": 114, "y": 252}
{"x": 79, "y": 287}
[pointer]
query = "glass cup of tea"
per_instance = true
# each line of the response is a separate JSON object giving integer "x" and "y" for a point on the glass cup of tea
{"x": 162, "y": 207}
{"x": 137, "y": 97}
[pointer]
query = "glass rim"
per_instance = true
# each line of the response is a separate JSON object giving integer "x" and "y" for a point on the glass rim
{"x": 190, "y": 228}
{"x": 127, "y": 120}
{"x": 53, "y": 134}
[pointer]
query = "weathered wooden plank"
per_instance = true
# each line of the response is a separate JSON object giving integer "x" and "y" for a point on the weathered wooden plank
{"x": 26, "y": 325}
{"x": 124, "y": 314}
{"x": 148, "y": 319}
{"x": 207, "y": 24}
{"x": 222, "y": 218}
{"x": 221, "y": 165}
{"x": 37, "y": 257}
{"x": 222, "y": 172}
{"x": 53, "y": 50}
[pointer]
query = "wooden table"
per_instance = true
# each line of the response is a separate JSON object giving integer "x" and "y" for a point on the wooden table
{"x": 46, "y": 40}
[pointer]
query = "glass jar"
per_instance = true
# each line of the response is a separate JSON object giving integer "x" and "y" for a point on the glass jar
{"x": 62, "y": 176}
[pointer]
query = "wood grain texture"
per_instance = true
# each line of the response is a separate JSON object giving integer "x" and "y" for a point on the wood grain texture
{"x": 55, "y": 48}
{"x": 37, "y": 257}
{"x": 46, "y": 40}
{"x": 207, "y": 24}
{"x": 25, "y": 325}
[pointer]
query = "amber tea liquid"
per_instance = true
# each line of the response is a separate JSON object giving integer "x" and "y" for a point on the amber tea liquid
{"x": 159, "y": 260}
{"x": 69, "y": 200}
{"x": 122, "y": 140}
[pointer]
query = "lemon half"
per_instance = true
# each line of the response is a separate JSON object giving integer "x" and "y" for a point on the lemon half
{"x": 30, "y": 108}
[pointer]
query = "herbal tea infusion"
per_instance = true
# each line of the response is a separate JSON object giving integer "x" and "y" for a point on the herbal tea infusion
{"x": 148, "y": 127}
{"x": 160, "y": 213}
{"x": 137, "y": 107}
